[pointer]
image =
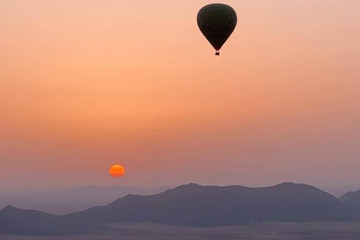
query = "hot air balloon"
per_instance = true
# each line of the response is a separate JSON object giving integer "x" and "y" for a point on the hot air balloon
{"x": 217, "y": 21}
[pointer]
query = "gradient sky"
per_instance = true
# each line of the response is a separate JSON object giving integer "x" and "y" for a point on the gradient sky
{"x": 85, "y": 84}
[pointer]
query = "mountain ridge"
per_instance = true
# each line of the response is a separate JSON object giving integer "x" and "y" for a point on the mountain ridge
{"x": 71, "y": 200}
{"x": 194, "y": 205}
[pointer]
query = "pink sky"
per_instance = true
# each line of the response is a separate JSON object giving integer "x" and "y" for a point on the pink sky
{"x": 85, "y": 84}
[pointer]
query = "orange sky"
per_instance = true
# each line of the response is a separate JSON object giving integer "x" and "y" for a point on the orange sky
{"x": 85, "y": 84}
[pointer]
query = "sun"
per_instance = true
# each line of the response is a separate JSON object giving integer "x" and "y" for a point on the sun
{"x": 117, "y": 170}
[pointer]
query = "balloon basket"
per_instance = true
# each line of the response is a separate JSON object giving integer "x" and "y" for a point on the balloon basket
{"x": 217, "y": 53}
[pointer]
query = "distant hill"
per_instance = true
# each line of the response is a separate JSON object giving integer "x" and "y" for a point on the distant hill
{"x": 28, "y": 222}
{"x": 195, "y": 205}
{"x": 192, "y": 205}
{"x": 338, "y": 190}
{"x": 68, "y": 201}
{"x": 352, "y": 199}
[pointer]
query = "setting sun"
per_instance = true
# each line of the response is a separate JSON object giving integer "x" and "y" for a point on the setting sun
{"x": 117, "y": 170}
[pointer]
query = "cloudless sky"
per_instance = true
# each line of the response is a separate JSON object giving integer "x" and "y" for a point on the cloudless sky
{"x": 85, "y": 84}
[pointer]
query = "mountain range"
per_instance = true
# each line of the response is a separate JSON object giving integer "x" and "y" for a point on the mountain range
{"x": 194, "y": 205}
{"x": 68, "y": 201}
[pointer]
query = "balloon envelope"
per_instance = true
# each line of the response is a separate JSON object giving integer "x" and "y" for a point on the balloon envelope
{"x": 217, "y": 21}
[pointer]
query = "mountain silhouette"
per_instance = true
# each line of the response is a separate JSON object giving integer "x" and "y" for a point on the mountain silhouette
{"x": 68, "y": 201}
{"x": 191, "y": 205}
{"x": 196, "y": 205}
{"x": 27, "y": 222}
{"x": 352, "y": 199}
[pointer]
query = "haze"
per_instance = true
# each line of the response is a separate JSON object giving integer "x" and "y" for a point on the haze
{"x": 86, "y": 84}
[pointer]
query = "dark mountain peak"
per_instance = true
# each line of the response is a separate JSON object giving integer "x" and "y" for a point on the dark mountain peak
{"x": 288, "y": 189}
{"x": 352, "y": 199}
{"x": 189, "y": 186}
{"x": 186, "y": 188}
{"x": 289, "y": 184}
{"x": 282, "y": 187}
{"x": 294, "y": 185}
{"x": 192, "y": 185}
{"x": 300, "y": 187}
{"x": 180, "y": 191}
{"x": 14, "y": 211}
{"x": 129, "y": 197}
{"x": 197, "y": 205}
{"x": 9, "y": 208}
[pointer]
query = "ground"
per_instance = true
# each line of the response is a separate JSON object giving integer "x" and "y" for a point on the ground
{"x": 255, "y": 231}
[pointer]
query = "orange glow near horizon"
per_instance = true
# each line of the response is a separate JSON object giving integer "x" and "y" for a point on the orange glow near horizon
{"x": 87, "y": 81}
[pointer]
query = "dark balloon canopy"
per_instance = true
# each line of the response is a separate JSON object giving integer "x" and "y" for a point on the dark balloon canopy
{"x": 217, "y": 21}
